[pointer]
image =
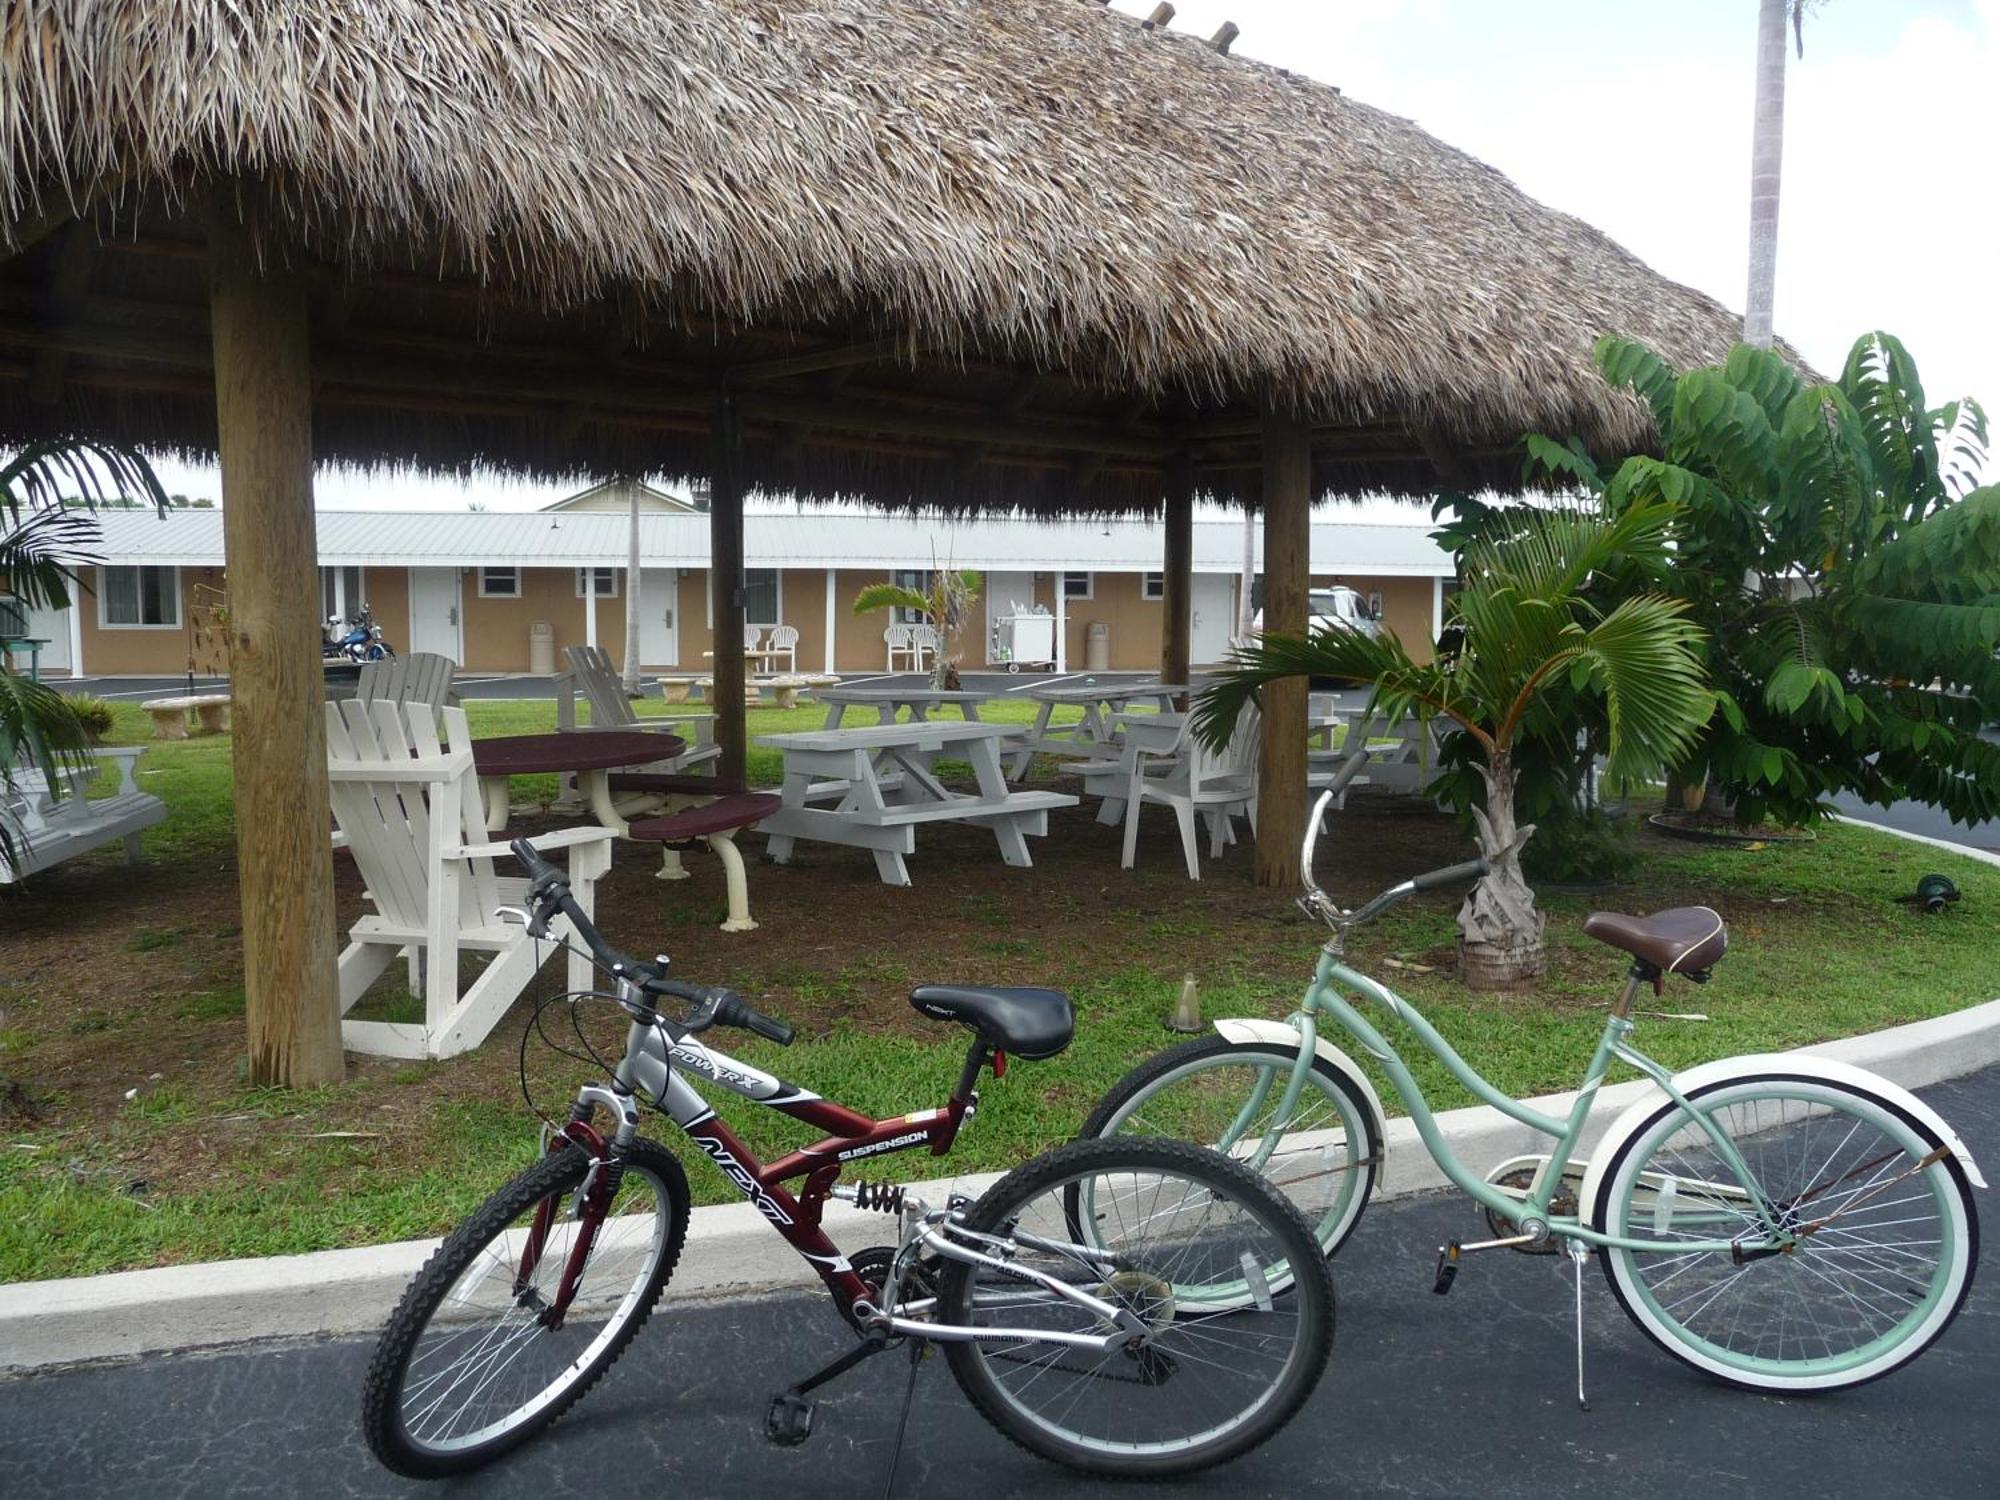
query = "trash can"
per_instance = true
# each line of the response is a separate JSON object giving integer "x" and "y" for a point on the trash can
{"x": 542, "y": 648}
{"x": 1097, "y": 647}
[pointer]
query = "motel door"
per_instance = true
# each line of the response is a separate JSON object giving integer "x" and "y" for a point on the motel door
{"x": 1213, "y": 600}
{"x": 434, "y": 613}
{"x": 659, "y": 635}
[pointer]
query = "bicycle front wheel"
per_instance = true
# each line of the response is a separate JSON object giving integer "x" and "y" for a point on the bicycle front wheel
{"x": 1879, "y": 1231}
{"x": 474, "y": 1361}
{"x": 1231, "y": 1306}
{"x": 1228, "y": 1096}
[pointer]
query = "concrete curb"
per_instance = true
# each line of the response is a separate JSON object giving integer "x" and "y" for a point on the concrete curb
{"x": 730, "y": 1250}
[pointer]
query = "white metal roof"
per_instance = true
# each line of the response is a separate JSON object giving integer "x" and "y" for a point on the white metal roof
{"x": 193, "y": 538}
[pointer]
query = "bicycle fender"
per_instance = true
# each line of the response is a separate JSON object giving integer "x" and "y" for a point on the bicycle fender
{"x": 1798, "y": 1065}
{"x": 1246, "y": 1029}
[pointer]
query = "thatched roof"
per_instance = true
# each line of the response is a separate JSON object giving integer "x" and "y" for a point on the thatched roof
{"x": 637, "y": 192}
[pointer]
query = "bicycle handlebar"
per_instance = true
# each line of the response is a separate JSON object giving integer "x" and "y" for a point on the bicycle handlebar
{"x": 714, "y": 1005}
{"x": 1472, "y": 869}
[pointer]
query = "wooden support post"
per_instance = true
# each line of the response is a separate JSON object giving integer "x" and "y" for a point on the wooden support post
{"x": 263, "y": 412}
{"x": 725, "y": 559}
{"x": 1281, "y": 772}
{"x": 1177, "y": 598}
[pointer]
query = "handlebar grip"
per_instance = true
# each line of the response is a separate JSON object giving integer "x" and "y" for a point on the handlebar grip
{"x": 532, "y": 860}
{"x": 1472, "y": 869}
{"x": 733, "y": 1011}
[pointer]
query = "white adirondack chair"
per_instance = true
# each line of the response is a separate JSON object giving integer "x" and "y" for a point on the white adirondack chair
{"x": 408, "y": 805}
{"x": 784, "y": 642}
{"x": 420, "y": 677}
{"x": 592, "y": 674}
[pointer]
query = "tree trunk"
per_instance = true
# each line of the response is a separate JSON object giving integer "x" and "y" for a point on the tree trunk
{"x": 1767, "y": 150}
{"x": 1499, "y": 930}
{"x": 632, "y": 596}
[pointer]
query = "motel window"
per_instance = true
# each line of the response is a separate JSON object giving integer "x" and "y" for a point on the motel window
{"x": 918, "y": 580}
{"x": 1154, "y": 586}
{"x": 760, "y": 596}
{"x": 499, "y": 583}
{"x": 604, "y": 579}
{"x": 1076, "y": 585}
{"x": 141, "y": 598}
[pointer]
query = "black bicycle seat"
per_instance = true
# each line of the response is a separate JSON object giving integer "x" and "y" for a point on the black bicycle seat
{"x": 1029, "y": 1023}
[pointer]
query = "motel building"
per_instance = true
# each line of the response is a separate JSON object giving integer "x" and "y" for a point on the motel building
{"x": 505, "y": 592}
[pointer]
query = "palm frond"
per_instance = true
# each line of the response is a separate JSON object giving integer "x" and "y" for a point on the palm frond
{"x": 1400, "y": 686}
{"x": 38, "y": 556}
{"x": 42, "y": 476}
{"x": 890, "y": 596}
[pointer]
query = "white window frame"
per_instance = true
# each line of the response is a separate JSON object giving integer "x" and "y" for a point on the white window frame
{"x": 1089, "y": 583}
{"x": 486, "y": 593}
{"x": 605, "y": 574}
{"x": 1153, "y": 586}
{"x": 104, "y": 597}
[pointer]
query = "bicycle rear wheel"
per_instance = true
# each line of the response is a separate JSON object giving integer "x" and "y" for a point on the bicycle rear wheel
{"x": 1882, "y": 1230}
{"x": 1236, "y": 1302}
{"x": 469, "y": 1364}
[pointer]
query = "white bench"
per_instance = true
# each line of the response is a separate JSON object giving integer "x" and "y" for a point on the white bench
{"x": 46, "y": 830}
{"x": 170, "y": 715}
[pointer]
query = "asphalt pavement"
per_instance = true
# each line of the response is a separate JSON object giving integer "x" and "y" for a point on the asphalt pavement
{"x": 1470, "y": 1394}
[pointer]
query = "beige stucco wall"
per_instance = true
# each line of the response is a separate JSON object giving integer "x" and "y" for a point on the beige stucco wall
{"x": 141, "y": 652}
{"x": 496, "y": 630}
{"x": 1406, "y": 606}
{"x": 387, "y": 592}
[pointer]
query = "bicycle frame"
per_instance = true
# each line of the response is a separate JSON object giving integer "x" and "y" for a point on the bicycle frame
{"x": 654, "y": 1062}
{"x": 1325, "y": 996}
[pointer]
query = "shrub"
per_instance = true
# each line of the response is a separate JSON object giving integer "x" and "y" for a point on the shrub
{"x": 95, "y": 715}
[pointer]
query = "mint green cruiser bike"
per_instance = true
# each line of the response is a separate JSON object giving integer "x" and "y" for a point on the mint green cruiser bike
{"x": 1782, "y": 1222}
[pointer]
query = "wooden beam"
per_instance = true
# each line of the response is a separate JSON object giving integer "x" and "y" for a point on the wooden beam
{"x": 1177, "y": 599}
{"x": 813, "y": 360}
{"x": 725, "y": 561}
{"x": 1162, "y": 14}
{"x": 1225, "y": 37}
{"x": 1281, "y": 768}
{"x": 263, "y": 409}
{"x": 1453, "y": 471}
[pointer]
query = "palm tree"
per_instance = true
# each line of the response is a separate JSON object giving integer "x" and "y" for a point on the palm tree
{"x": 948, "y": 604}
{"x": 1527, "y": 625}
{"x": 42, "y": 540}
{"x": 1767, "y": 152}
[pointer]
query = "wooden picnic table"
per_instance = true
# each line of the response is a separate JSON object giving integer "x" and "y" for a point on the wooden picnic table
{"x": 921, "y": 699}
{"x": 1101, "y": 703}
{"x": 590, "y": 754}
{"x": 880, "y": 780}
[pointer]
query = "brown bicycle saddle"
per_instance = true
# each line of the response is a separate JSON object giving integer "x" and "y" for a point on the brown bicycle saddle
{"x": 1684, "y": 940}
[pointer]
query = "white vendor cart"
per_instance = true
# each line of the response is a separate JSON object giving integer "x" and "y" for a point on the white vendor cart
{"x": 1023, "y": 639}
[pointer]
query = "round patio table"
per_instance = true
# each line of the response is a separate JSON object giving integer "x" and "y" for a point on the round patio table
{"x": 589, "y": 753}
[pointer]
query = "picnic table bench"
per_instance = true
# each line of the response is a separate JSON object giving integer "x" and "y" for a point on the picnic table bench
{"x": 880, "y": 812}
{"x": 47, "y": 829}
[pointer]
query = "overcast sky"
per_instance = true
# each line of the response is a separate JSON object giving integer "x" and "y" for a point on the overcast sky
{"x": 1636, "y": 117}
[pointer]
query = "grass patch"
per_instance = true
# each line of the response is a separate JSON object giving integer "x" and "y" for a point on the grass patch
{"x": 195, "y": 1166}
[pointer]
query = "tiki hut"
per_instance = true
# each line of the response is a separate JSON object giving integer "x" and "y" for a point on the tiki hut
{"x": 977, "y": 254}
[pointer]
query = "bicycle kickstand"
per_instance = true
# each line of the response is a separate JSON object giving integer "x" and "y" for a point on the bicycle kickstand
{"x": 790, "y": 1419}
{"x": 1578, "y": 1254}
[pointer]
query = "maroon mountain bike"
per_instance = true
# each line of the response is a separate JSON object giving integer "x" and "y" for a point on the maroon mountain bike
{"x": 1124, "y": 1306}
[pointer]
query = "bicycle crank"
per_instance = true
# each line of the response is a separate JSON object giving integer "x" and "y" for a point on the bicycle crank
{"x": 1517, "y": 1175}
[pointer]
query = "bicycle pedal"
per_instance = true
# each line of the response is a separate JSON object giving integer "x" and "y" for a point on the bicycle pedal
{"x": 790, "y": 1419}
{"x": 1447, "y": 1268}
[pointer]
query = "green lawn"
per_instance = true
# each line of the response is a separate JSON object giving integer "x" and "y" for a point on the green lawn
{"x": 195, "y": 1166}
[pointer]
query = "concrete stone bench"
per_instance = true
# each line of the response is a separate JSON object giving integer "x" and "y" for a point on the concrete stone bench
{"x": 170, "y": 715}
{"x": 677, "y": 689}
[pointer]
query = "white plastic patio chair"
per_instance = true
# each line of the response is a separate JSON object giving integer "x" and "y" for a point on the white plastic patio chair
{"x": 1166, "y": 765}
{"x": 897, "y": 639}
{"x": 784, "y": 642}
{"x": 409, "y": 810}
{"x": 923, "y": 638}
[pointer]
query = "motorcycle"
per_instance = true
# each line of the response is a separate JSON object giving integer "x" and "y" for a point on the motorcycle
{"x": 358, "y": 639}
